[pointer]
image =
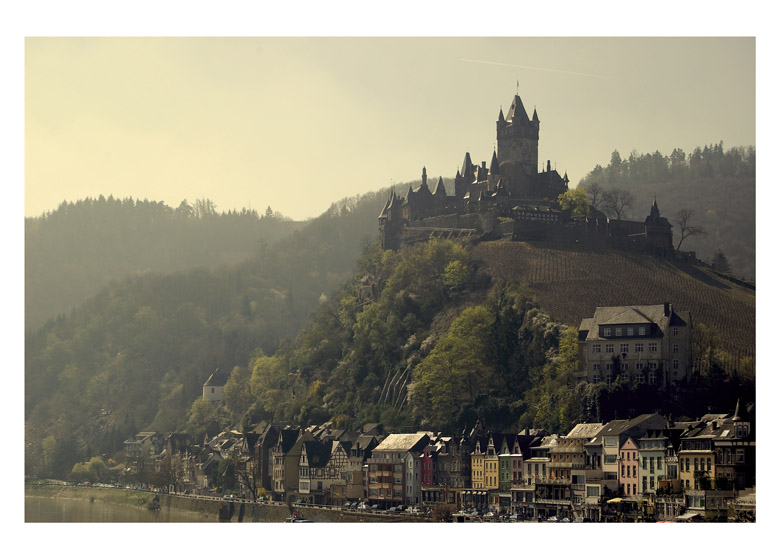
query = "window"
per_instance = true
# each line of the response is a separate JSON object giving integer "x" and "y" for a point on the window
{"x": 608, "y": 366}
{"x": 658, "y": 462}
{"x": 675, "y": 331}
{"x": 596, "y": 348}
{"x": 675, "y": 364}
{"x": 641, "y": 330}
{"x": 652, "y": 366}
{"x": 675, "y": 348}
{"x": 652, "y": 482}
{"x": 639, "y": 348}
{"x": 629, "y": 331}
{"x": 638, "y": 366}
{"x": 644, "y": 483}
{"x": 607, "y": 331}
{"x": 624, "y": 366}
{"x": 740, "y": 456}
{"x": 596, "y": 367}
{"x": 618, "y": 331}
{"x": 695, "y": 464}
{"x": 608, "y": 379}
{"x": 623, "y": 348}
{"x": 652, "y": 346}
{"x": 709, "y": 464}
{"x": 596, "y": 378}
{"x": 609, "y": 348}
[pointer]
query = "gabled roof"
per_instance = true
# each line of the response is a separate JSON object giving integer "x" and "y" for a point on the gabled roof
{"x": 217, "y": 378}
{"x": 585, "y": 431}
{"x": 317, "y": 453}
{"x": 403, "y": 442}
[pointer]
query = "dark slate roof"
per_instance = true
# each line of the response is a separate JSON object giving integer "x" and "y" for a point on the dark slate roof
{"x": 517, "y": 110}
{"x": 217, "y": 378}
{"x": 318, "y": 453}
{"x": 631, "y": 314}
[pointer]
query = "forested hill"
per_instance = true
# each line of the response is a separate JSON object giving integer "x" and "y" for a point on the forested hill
{"x": 440, "y": 334}
{"x": 75, "y": 250}
{"x": 136, "y": 354}
{"x": 718, "y": 185}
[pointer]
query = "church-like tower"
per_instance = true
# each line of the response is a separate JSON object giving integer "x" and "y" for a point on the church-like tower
{"x": 518, "y": 144}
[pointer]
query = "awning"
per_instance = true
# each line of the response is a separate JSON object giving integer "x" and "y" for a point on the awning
{"x": 688, "y": 516}
{"x": 615, "y": 501}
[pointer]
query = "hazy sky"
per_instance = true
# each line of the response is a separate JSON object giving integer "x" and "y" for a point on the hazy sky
{"x": 298, "y": 123}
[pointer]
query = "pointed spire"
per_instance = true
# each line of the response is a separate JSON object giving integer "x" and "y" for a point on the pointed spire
{"x": 501, "y": 115}
{"x": 654, "y": 212}
{"x": 736, "y": 412}
{"x": 494, "y": 168}
{"x": 439, "y": 190}
{"x": 517, "y": 110}
{"x": 468, "y": 166}
{"x": 536, "y": 116}
{"x": 424, "y": 177}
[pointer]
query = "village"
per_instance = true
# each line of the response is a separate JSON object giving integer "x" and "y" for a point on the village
{"x": 644, "y": 468}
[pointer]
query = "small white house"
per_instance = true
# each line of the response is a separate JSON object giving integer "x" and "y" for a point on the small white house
{"x": 213, "y": 387}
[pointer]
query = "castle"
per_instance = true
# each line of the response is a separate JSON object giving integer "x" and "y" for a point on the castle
{"x": 512, "y": 199}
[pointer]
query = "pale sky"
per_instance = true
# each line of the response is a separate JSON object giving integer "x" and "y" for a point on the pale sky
{"x": 298, "y": 123}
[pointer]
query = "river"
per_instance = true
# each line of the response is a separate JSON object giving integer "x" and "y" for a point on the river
{"x": 48, "y": 509}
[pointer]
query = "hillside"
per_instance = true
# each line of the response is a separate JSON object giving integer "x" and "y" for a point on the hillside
{"x": 72, "y": 252}
{"x": 136, "y": 354}
{"x": 571, "y": 284}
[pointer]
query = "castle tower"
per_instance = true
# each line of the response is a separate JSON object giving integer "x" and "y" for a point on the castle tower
{"x": 658, "y": 233}
{"x": 518, "y": 142}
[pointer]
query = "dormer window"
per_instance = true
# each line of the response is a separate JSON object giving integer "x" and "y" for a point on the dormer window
{"x": 607, "y": 332}
{"x": 618, "y": 331}
{"x": 641, "y": 330}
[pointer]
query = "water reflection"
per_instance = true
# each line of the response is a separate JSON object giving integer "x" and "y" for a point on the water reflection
{"x": 44, "y": 509}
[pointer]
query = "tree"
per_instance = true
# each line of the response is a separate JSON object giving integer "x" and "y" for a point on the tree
{"x": 96, "y": 467}
{"x": 720, "y": 263}
{"x": 575, "y": 200}
{"x": 683, "y": 219}
{"x": 595, "y": 195}
{"x": 616, "y": 201}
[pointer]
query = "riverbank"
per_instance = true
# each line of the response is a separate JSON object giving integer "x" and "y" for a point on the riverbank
{"x": 141, "y": 500}
{"x": 208, "y": 509}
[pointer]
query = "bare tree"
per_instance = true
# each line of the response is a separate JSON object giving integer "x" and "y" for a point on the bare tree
{"x": 595, "y": 195}
{"x": 616, "y": 201}
{"x": 683, "y": 219}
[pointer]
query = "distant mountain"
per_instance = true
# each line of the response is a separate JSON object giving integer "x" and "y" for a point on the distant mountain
{"x": 74, "y": 251}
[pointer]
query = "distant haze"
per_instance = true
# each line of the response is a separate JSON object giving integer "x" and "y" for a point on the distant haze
{"x": 297, "y": 123}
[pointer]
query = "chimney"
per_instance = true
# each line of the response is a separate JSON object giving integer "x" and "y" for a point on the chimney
{"x": 548, "y": 165}
{"x": 666, "y": 308}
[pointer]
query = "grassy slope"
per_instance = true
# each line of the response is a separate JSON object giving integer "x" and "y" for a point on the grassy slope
{"x": 571, "y": 284}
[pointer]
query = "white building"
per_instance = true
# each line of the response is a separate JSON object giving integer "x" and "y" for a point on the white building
{"x": 645, "y": 343}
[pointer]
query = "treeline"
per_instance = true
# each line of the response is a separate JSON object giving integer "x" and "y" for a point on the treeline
{"x": 75, "y": 250}
{"x": 718, "y": 185}
{"x": 135, "y": 355}
{"x": 708, "y": 162}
